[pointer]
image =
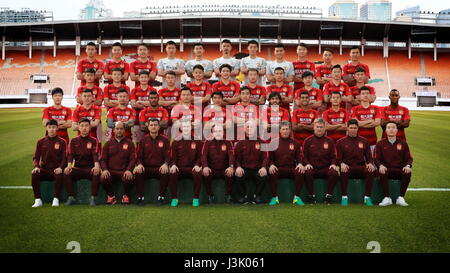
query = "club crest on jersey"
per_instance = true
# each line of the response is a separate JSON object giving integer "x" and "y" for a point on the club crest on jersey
{"x": 360, "y": 145}
{"x": 399, "y": 147}
{"x": 203, "y": 88}
{"x": 372, "y": 111}
{"x": 160, "y": 114}
{"x": 94, "y": 92}
{"x": 342, "y": 115}
{"x": 311, "y": 115}
{"x": 224, "y": 147}
{"x": 193, "y": 146}
{"x": 232, "y": 88}
{"x": 149, "y": 66}
{"x": 125, "y": 146}
{"x": 257, "y": 146}
{"x": 122, "y": 66}
{"x": 92, "y": 113}
{"x": 313, "y": 93}
{"x": 257, "y": 91}
{"x": 160, "y": 144}
{"x": 401, "y": 112}
{"x": 128, "y": 113}
{"x": 57, "y": 146}
{"x": 291, "y": 147}
{"x": 89, "y": 146}
{"x": 308, "y": 66}
{"x": 175, "y": 94}
{"x": 342, "y": 88}
{"x": 95, "y": 65}
{"x": 64, "y": 112}
{"x": 284, "y": 89}
{"x": 325, "y": 146}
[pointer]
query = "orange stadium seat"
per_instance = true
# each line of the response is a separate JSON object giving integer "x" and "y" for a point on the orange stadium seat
{"x": 403, "y": 71}
{"x": 439, "y": 70}
{"x": 61, "y": 70}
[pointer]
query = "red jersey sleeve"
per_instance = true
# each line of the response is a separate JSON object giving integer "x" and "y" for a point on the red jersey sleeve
{"x": 126, "y": 68}
{"x": 110, "y": 114}
{"x": 80, "y": 66}
{"x": 347, "y": 116}
{"x": 345, "y": 70}
{"x": 45, "y": 114}
{"x": 285, "y": 116}
{"x": 326, "y": 89}
{"x": 208, "y": 89}
{"x": 290, "y": 92}
{"x": 237, "y": 88}
{"x": 133, "y": 94}
{"x": 132, "y": 67}
{"x": 346, "y": 91}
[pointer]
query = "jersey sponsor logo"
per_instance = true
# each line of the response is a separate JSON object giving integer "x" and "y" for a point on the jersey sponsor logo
{"x": 125, "y": 146}
{"x": 89, "y": 146}
{"x": 399, "y": 147}
{"x": 325, "y": 146}
{"x": 224, "y": 147}
{"x": 160, "y": 144}
{"x": 193, "y": 146}
{"x": 57, "y": 146}
{"x": 257, "y": 146}
{"x": 360, "y": 145}
{"x": 291, "y": 147}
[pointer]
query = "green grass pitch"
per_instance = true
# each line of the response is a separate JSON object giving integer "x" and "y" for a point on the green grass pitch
{"x": 424, "y": 226}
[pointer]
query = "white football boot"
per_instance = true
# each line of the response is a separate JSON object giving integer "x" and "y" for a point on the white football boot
{"x": 387, "y": 201}
{"x": 37, "y": 203}
{"x": 55, "y": 202}
{"x": 401, "y": 202}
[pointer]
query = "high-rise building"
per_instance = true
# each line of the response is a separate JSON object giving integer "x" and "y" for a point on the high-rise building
{"x": 378, "y": 10}
{"x": 24, "y": 15}
{"x": 95, "y": 9}
{"x": 345, "y": 9}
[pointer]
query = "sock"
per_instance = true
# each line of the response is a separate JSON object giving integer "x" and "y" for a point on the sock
{"x": 365, "y": 197}
{"x": 344, "y": 196}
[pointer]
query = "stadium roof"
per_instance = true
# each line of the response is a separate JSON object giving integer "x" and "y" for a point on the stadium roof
{"x": 226, "y": 26}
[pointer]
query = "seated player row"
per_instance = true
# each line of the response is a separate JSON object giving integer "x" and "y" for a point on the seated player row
{"x": 250, "y": 160}
{"x": 239, "y": 68}
{"x": 150, "y": 104}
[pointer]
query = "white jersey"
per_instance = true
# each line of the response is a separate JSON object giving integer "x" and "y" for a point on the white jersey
{"x": 171, "y": 64}
{"x": 207, "y": 65}
{"x": 235, "y": 64}
{"x": 287, "y": 66}
{"x": 257, "y": 63}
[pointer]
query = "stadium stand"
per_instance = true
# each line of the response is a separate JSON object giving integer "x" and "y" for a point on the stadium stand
{"x": 439, "y": 70}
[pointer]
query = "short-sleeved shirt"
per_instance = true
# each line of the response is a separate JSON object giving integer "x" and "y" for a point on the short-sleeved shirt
{"x": 167, "y": 64}
{"x": 314, "y": 94}
{"x": 372, "y": 112}
{"x": 257, "y": 92}
{"x": 233, "y": 62}
{"x": 140, "y": 94}
{"x": 64, "y": 113}
{"x": 170, "y": 95}
{"x": 349, "y": 69}
{"x": 271, "y": 116}
{"x": 395, "y": 114}
{"x": 200, "y": 91}
{"x": 159, "y": 113}
{"x": 323, "y": 71}
{"x": 93, "y": 113}
{"x": 285, "y": 91}
{"x": 305, "y": 117}
{"x": 300, "y": 68}
{"x": 110, "y": 91}
{"x": 124, "y": 115}
{"x": 246, "y": 112}
{"x": 257, "y": 63}
{"x": 138, "y": 66}
{"x": 207, "y": 65}
{"x": 332, "y": 117}
{"x": 85, "y": 64}
{"x": 184, "y": 113}
{"x": 354, "y": 90}
{"x": 112, "y": 64}
{"x": 213, "y": 114}
{"x": 287, "y": 66}
{"x": 228, "y": 90}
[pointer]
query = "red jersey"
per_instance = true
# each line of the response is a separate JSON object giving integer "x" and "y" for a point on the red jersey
{"x": 64, "y": 113}
{"x": 275, "y": 117}
{"x": 372, "y": 112}
{"x": 228, "y": 90}
{"x": 305, "y": 117}
{"x": 112, "y": 64}
{"x": 257, "y": 92}
{"x": 183, "y": 113}
{"x": 200, "y": 91}
{"x": 395, "y": 114}
{"x": 285, "y": 91}
{"x": 354, "y": 90}
{"x": 323, "y": 71}
{"x": 349, "y": 69}
{"x": 170, "y": 95}
{"x": 110, "y": 91}
{"x": 314, "y": 94}
{"x": 85, "y": 64}
{"x": 93, "y": 113}
{"x": 139, "y": 94}
{"x": 342, "y": 88}
{"x": 211, "y": 113}
{"x": 96, "y": 91}
{"x": 137, "y": 67}
{"x": 124, "y": 115}
{"x": 300, "y": 68}
{"x": 340, "y": 117}
{"x": 159, "y": 113}
{"x": 248, "y": 112}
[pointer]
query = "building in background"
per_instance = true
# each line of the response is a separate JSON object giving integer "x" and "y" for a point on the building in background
{"x": 413, "y": 13}
{"x": 132, "y": 14}
{"x": 24, "y": 15}
{"x": 344, "y": 9}
{"x": 376, "y": 10}
{"x": 95, "y": 9}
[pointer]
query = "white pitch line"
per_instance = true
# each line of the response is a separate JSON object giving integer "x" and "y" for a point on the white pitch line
{"x": 410, "y": 189}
